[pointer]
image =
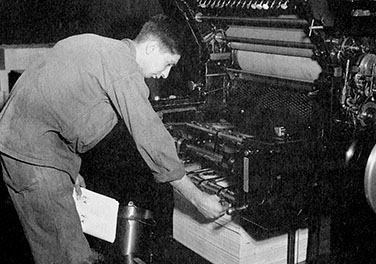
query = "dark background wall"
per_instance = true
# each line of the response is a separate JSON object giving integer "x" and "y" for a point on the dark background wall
{"x": 46, "y": 21}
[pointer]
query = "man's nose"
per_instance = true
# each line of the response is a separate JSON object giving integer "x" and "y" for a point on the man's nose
{"x": 166, "y": 72}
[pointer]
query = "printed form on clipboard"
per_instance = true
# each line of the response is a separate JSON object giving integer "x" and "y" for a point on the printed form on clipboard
{"x": 98, "y": 214}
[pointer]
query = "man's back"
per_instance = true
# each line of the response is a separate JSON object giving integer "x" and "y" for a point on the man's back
{"x": 60, "y": 105}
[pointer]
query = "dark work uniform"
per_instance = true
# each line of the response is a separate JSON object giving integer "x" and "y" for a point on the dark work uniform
{"x": 63, "y": 105}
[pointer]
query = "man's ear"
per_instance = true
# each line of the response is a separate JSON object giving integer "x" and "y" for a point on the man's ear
{"x": 152, "y": 46}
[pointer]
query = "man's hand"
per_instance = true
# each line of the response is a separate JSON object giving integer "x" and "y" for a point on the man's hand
{"x": 208, "y": 205}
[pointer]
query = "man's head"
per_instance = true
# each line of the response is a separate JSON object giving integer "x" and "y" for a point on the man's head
{"x": 158, "y": 47}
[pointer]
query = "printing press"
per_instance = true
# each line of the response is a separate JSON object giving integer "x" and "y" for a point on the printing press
{"x": 281, "y": 97}
{"x": 272, "y": 108}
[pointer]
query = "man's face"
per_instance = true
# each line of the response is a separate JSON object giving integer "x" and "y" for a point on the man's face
{"x": 159, "y": 62}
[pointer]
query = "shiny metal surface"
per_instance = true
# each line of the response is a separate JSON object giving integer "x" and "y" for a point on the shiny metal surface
{"x": 131, "y": 230}
{"x": 367, "y": 64}
{"x": 370, "y": 179}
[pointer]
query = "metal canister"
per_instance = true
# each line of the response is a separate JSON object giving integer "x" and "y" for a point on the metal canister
{"x": 132, "y": 228}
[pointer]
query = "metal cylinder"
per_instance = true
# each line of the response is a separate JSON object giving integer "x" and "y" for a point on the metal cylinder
{"x": 131, "y": 228}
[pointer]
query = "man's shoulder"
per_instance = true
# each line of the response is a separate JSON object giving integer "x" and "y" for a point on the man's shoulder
{"x": 86, "y": 38}
{"x": 88, "y": 44}
{"x": 96, "y": 50}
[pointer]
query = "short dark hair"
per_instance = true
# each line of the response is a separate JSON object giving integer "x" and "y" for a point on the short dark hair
{"x": 165, "y": 30}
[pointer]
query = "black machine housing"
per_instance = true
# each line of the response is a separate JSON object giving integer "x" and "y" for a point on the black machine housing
{"x": 275, "y": 138}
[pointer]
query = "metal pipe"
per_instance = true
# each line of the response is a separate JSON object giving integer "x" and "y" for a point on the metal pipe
{"x": 271, "y": 42}
{"x": 257, "y": 21}
{"x": 210, "y": 186}
{"x": 206, "y": 154}
{"x": 306, "y": 53}
{"x": 274, "y": 81}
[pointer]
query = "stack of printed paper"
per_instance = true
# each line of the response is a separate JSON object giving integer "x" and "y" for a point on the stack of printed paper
{"x": 225, "y": 242}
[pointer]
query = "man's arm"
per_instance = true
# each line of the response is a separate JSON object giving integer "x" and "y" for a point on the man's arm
{"x": 208, "y": 205}
{"x": 157, "y": 147}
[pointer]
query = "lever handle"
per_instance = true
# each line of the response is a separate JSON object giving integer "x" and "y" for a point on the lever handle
{"x": 236, "y": 209}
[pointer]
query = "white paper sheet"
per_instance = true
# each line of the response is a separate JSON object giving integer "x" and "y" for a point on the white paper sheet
{"x": 98, "y": 214}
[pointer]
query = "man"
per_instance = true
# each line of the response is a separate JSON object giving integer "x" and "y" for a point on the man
{"x": 63, "y": 105}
